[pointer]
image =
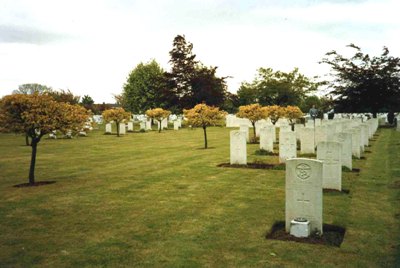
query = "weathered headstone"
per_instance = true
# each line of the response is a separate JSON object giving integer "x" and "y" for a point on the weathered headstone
{"x": 346, "y": 140}
{"x": 355, "y": 142}
{"x": 330, "y": 153}
{"x": 108, "y": 128}
{"x": 287, "y": 146}
{"x": 238, "y": 150}
{"x": 304, "y": 192}
{"x": 148, "y": 125}
{"x": 307, "y": 139}
{"x": 266, "y": 138}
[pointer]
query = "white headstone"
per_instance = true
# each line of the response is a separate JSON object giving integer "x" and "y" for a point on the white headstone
{"x": 164, "y": 123}
{"x": 330, "y": 153}
{"x": 130, "y": 126}
{"x": 287, "y": 146}
{"x": 176, "y": 125}
{"x": 266, "y": 138}
{"x": 346, "y": 140}
{"x": 238, "y": 150}
{"x": 142, "y": 125}
{"x": 148, "y": 125}
{"x": 245, "y": 128}
{"x": 108, "y": 128}
{"x": 307, "y": 139}
{"x": 122, "y": 129}
{"x": 355, "y": 142}
{"x": 304, "y": 192}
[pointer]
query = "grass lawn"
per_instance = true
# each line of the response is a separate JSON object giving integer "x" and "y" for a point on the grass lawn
{"x": 159, "y": 199}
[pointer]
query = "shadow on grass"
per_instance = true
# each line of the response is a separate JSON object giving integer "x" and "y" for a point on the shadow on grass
{"x": 202, "y": 148}
{"x": 333, "y": 235}
{"x": 343, "y": 191}
{"x": 255, "y": 166}
{"x": 38, "y": 183}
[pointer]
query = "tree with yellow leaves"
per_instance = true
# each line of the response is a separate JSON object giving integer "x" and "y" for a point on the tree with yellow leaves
{"x": 203, "y": 116}
{"x": 37, "y": 115}
{"x": 292, "y": 113}
{"x": 274, "y": 112}
{"x": 158, "y": 114}
{"x": 253, "y": 112}
{"x": 118, "y": 115}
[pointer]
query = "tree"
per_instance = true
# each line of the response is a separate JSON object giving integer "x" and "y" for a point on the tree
{"x": 183, "y": 68}
{"x": 87, "y": 102}
{"x": 231, "y": 103}
{"x": 64, "y": 96}
{"x": 253, "y": 112}
{"x": 276, "y": 88}
{"x": 158, "y": 114}
{"x": 274, "y": 112}
{"x": 292, "y": 113}
{"x": 37, "y": 115}
{"x": 206, "y": 87}
{"x": 363, "y": 83}
{"x": 203, "y": 116}
{"x": 118, "y": 115}
{"x": 31, "y": 89}
{"x": 145, "y": 88}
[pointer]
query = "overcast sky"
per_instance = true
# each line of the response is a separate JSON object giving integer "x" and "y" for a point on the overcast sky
{"x": 90, "y": 47}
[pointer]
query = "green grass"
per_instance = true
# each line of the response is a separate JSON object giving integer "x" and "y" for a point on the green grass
{"x": 159, "y": 199}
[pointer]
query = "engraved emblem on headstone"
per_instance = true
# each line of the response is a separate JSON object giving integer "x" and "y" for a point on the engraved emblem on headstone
{"x": 303, "y": 171}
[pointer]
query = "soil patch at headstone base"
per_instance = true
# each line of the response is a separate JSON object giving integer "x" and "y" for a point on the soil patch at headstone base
{"x": 343, "y": 191}
{"x": 255, "y": 166}
{"x": 395, "y": 185}
{"x": 38, "y": 183}
{"x": 333, "y": 235}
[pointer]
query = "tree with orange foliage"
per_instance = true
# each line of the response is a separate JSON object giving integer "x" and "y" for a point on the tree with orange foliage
{"x": 158, "y": 114}
{"x": 37, "y": 115}
{"x": 274, "y": 112}
{"x": 203, "y": 116}
{"x": 253, "y": 112}
{"x": 292, "y": 113}
{"x": 118, "y": 115}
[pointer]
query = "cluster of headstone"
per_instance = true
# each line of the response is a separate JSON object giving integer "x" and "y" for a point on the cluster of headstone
{"x": 335, "y": 143}
{"x": 144, "y": 123}
{"x": 82, "y": 132}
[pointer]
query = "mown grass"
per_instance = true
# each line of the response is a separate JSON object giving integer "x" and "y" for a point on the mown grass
{"x": 159, "y": 199}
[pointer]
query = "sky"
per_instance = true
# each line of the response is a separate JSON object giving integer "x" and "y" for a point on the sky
{"x": 91, "y": 46}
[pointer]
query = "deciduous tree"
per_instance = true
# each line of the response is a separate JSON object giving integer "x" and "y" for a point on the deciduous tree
{"x": 158, "y": 114}
{"x": 274, "y": 112}
{"x": 145, "y": 88}
{"x": 364, "y": 83}
{"x": 118, "y": 115}
{"x": 292, "y": 113}
{"x": 37, "y": 115}
{"x": 253, "y": 112}
{"x": 203, "y": 116}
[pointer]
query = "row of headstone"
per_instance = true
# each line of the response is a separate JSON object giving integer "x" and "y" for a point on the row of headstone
{"x": 143, "y": 125}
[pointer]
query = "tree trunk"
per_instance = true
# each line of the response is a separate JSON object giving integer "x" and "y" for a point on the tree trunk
{"x": 27, "y": 140}
{"x": 33, "y": 161}
{"x": 254, "y": 132}
{"x": 117, "y": 129}
{"x": 205, "y": 137}
{"x": 160, "y": 126}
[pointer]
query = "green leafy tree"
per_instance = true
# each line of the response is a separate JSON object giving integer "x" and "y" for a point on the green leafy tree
{"x": 207, "y": 87}
{"x": 276, "y": 88}
{"x": 87, "y": 102}
{"x": 37, "y": 115}
{"x": 145, "y": 88}
{"x": 364, "y": 83}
